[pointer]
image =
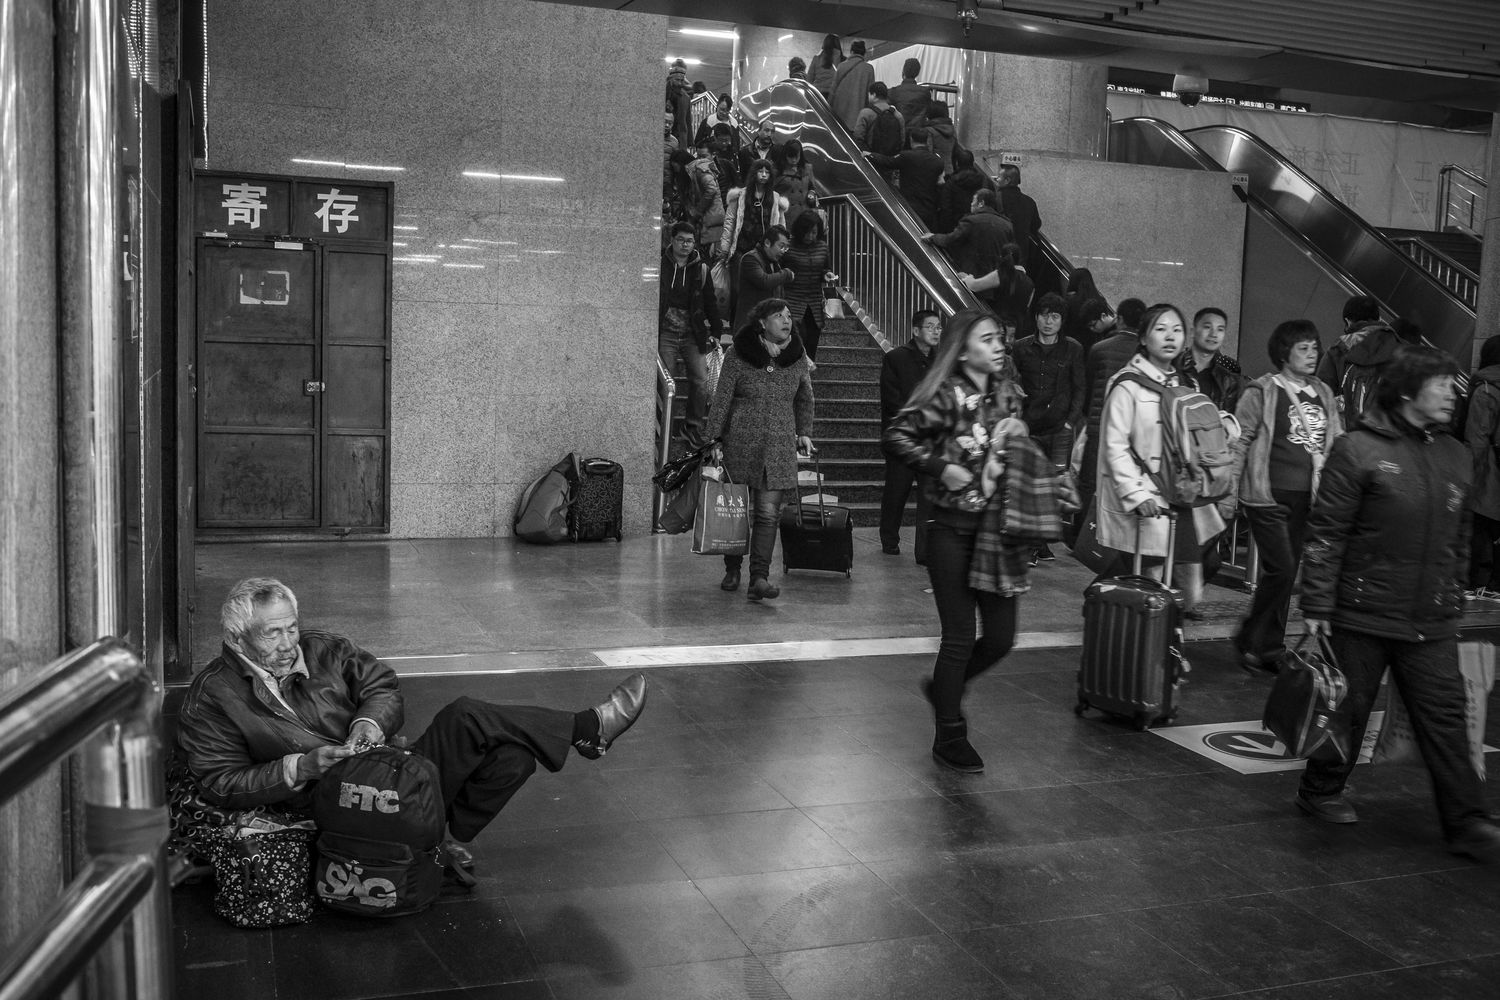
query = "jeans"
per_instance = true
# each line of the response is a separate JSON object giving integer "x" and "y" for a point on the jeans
{"x": 485, "y": 752}
{"x": 765, "y": 521}
{"x": 1278, "y": 532}
{"x": 1057, "y": 445}
{"x": 1426, "y": 674}
{"x": 899, "y": 480}
{"x": 671, "y": 346}
{"x": 961, "y": 655}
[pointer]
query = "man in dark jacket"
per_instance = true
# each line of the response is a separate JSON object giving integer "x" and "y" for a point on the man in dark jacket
{"x": 1382, "y": 578}
{"x": 1216, "y": 374}
{"x": 851, "y": 85}
{"x": 976, "y": 241}
{"x": 1050, "y": 368}
{"x": 909, "y": 97}
{"x": 921, "y": 175}
{"x": 1022, "y": 212}
{"x": 1353, "y": 363}
{"x": 279, "y": 707}
{"x": 687, "y": 323}
{"x": 900, "y": 371}
{"x": 1102, "y": 361}
{"x": 761, "y": 274}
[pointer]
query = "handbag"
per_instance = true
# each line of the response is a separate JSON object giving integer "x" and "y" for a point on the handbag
{"x": 1392, "y": 740}
{"x": 680, "y": 511}
{"x": 1301, "y": 708}
{"x": 1086, "y": 548}
{"x": 713, "y": 363}
{"x": 833, "y": 303}
{"x": 721, "y": 524}
{"x": 680, "y": 471}
{"x": 263, "y": 877}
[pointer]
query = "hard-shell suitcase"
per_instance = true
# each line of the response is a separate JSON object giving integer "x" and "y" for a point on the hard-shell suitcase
{"x": 598, "y": 502}
{"x": 817, "y": 537}
{"x": 1132, "y": 663}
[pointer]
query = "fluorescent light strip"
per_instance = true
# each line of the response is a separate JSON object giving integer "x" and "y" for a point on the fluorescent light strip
{"x": 514, "y": 177}
{"x": 687, "y": 62}
{"x": 480, "y": 266}
{"x": 342, "y": 165}
{"x": 493, "y": 243}
{"x": 319, "y": 163}
{"x": 710, "y": 33}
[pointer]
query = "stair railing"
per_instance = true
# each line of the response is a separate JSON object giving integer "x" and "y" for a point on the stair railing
{"x": 1458, "y": 279}
{"x": 104, "y": 699}
{"x": 1462, "y": 195}
{"x": 880, "y": 283}
{"x": 666, "y": 392}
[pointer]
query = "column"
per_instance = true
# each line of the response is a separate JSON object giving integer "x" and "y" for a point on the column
{"x": 1018, "y": 104}
{"x": 1487, "y": 309}
{"x": 761, "y": 55}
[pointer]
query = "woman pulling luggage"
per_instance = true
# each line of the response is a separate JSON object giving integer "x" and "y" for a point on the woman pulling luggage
{"x": 954, "y": 428}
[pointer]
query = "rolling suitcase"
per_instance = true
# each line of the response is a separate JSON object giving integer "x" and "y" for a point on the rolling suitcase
{"x": 598, "y": 502}
{"x": 1132, "y": 663}
{"x": 820, "y": 537}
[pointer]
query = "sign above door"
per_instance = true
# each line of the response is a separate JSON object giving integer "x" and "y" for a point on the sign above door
{"x": 304, "y": 208}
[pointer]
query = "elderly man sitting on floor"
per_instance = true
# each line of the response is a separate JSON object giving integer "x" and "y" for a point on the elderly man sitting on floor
{"x": 279, "y": 706}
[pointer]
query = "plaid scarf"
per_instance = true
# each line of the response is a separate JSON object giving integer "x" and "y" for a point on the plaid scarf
{"x": 1023, "y": 512}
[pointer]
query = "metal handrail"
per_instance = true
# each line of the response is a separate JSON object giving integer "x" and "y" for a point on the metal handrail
{"x": 104, "y": 696}
{"x": 1457, "y": 278}
{"x": 878, "y": 279}
{"x": 666, "y": 392}
{"x": 1467, "y": 215}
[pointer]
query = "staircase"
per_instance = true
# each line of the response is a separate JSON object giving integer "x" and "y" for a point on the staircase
{"x": 846, "y": 428}
{"x": 1450, "y": 257}
{"x": 846, "y": 425}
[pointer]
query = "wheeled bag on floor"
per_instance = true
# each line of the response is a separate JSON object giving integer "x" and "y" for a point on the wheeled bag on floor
{"x": 598, "y": 502}
{"x": 1132, "y": 662}
{"x": 817, "y": 536}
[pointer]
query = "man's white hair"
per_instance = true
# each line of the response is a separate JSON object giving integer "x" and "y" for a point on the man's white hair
{"x": 244, "y": 597}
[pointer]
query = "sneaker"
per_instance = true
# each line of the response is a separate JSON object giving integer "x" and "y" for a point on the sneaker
{"x": 1044, "y": 554}
{"x": 1483, "y": 594}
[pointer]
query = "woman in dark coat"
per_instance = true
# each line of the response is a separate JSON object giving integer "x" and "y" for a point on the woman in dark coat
{"x": 808, "y": 259}
{"x": 1382, "y": 578}
{"x": 962, "y": 411}
{"x": 762, "y": 416}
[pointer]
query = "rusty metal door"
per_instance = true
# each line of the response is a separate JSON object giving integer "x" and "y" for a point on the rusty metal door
{"x": 293, "y": 386}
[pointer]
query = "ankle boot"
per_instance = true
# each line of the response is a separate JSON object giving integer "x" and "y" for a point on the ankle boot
{"x": 951, "y": 747}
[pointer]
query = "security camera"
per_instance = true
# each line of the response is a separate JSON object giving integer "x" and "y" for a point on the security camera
{"x": 1189, "y": 88}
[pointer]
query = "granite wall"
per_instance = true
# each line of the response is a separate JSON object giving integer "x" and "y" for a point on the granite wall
{"x": 524, "y": 312}
{"x": 1155, "y": 233}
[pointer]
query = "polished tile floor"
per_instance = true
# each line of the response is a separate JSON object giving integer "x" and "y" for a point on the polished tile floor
{"x": 777, "y": 828}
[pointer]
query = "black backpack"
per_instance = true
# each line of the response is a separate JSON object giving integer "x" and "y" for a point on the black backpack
{"x": 380, "y": 820}
{"x": 885, "y": 134}
{"x": 543, "y": 513}
{"x": 1356, "y": 389}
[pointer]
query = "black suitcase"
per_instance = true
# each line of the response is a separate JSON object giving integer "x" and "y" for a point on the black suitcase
{"x": 598, "y": 502}
{"x": 1132, "y": 663}
{"x": 820, "y": 537}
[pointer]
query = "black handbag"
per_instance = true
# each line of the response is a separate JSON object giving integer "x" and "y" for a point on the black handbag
{"x": 1302, "y": 708}
{"x": 680, "y": 471}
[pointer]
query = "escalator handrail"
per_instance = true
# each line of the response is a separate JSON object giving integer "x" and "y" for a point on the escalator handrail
{"x": 1167, "y": 131}
{"x": 1437, "y": 252}
{"x": 956, "y": 294}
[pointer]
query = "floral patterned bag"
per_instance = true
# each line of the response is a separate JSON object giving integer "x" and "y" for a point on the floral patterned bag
{"x": 264, "y": 879}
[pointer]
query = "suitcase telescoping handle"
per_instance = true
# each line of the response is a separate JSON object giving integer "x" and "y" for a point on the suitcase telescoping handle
{"x": 1140, "y": 523}
{"x": 822, "y": 512}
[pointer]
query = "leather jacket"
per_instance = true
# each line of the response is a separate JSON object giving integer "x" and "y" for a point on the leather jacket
{"x": 1387, "y": 546}
{"x": 235, "y": 733}
{"x": 952, "y": 428}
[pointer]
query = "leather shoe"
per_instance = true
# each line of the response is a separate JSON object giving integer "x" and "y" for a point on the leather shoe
{"x": 1328, "y": 808}
{"x": 731, "y": 580}
{"x": 891, "y": 550}
{"x": 616, "y": 715}
{"x": 458, "y": 855}
{"x": 1479, "y": 841}
{"x": 761, "y": 589}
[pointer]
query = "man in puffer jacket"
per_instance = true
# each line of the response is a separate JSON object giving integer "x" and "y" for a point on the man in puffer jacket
{"x": 1382, "y": 577}
{"x": 1353, "y": 363}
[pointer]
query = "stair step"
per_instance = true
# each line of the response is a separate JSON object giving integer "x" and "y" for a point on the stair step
{"x": 853, "y": 338}
{"x": 845, "y": 389}
{"x": 848, "y": 372}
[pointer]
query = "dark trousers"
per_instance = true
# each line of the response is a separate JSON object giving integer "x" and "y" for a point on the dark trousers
{"x": 810, "y": 324}
{"x": 1057, "y": 445}
{"x": 765, "y": 522}
{"x": 670, "y": 346}
{"x": 899, "y": 480}
{"x": 1482, "y": 563}
{"x": 1278, "y": 531}
{"x": 963, "y": 655}
{"x": 1426, "y": 674}
{"x": 485, "y": 752}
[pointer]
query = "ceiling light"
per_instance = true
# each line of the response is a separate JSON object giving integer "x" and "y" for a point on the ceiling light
{"x": 709, "y": 33}
{"x": 685, "y": 61}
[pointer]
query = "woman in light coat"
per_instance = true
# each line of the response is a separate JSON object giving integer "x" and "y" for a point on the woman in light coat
{"x": 1131, "y": 436}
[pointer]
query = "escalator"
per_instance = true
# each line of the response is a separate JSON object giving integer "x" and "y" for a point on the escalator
{"x": 886, "y": 271}
{"x": 1305, "y": 250}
